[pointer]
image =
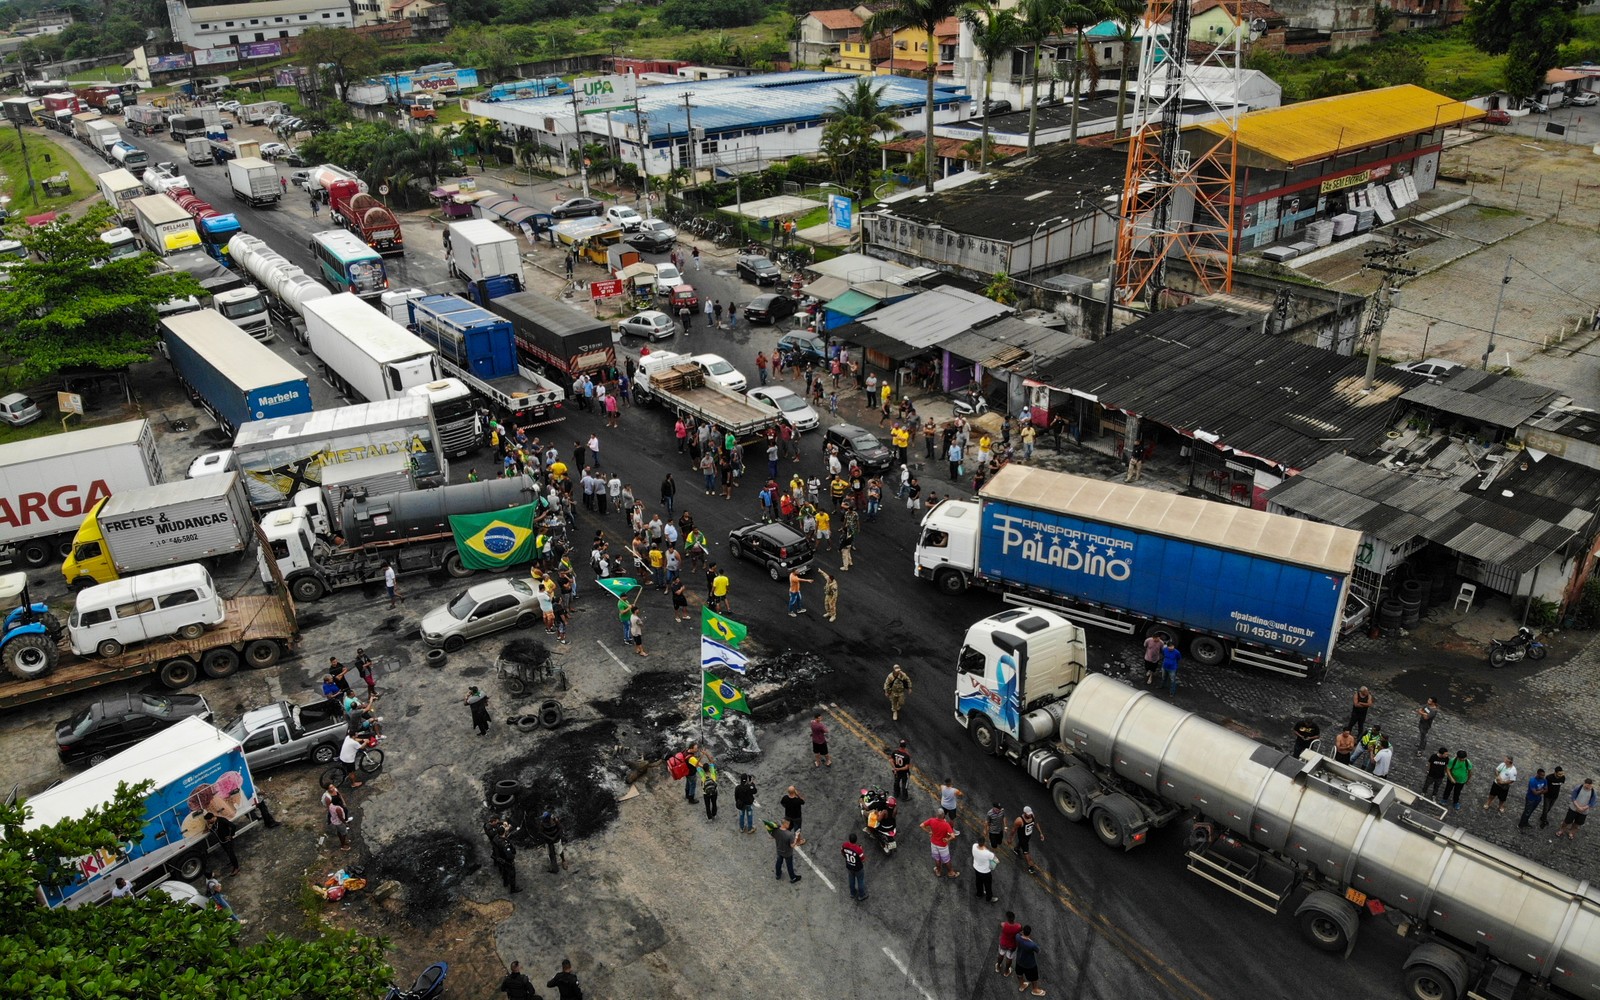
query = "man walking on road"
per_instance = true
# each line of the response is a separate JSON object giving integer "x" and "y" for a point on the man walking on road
{"x": 1425, "y": 716}
{"x": 897, "y": 686}
{"x": 940, "y": 833}
{"x": 1152, "y": 659}
{"x": 551, "y": 833}
{"x": 983, "y": 862}
{"x": 1028, "y": 962}
{"x": 1505, "y": 775}
{"x": 1023, "y": 830}
{"x": 786, "y": 840}
{"x": 1009, "y": 929}
{"x": 1552, "y": 793}
{"x": 565, "y": 983}
{"x": 855, "y": 866}
{"x": 796, "y": 600}
{"x": 389, "y": 584}
{"x": 900, "y": 762}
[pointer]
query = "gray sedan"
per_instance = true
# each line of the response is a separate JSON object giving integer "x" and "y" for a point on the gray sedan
{"x": 481, "y": 609}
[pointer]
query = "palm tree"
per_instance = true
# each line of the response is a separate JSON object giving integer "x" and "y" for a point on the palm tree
{"x": 994, "y": 33}
{"x": 1129, "y": 15}
{"x": 1040, "y": 20}
{"x": 924, "y": 15}
{"x": 855, "y": 119}
{"x": 1079, "y": 16}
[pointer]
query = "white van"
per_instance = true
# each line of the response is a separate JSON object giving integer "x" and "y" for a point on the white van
{"x": 179, "y": 601}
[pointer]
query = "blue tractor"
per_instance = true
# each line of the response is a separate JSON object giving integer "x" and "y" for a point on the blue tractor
{"x": 30, "y": 644}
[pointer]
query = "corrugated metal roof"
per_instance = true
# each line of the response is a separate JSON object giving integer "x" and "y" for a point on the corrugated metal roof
{"x": 934, "y": 316}
{"x": 853, "y": 303}
{"x": 1240, "y": 529}
{"x": 1484, "y": 396}
{"x": 989, "y": 344}
{"x": 1315, "y": 130}
{"x": 1205, "y": 371}
{"x": 866, "y": 337}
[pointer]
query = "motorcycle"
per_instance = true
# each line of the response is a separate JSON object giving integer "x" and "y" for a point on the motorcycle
{"x": 968, "y": 403}
{"x": 878, "y": 814}
{"x": 429, "y": 985}
{"x": 1503, "y": 651}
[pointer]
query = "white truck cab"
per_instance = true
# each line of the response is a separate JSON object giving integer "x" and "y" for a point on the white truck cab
{"x": 1013, "y": 674}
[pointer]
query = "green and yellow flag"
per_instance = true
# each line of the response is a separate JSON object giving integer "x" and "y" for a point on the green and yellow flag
{"x": 724, "y": 630}
{"x": 496, "y": 539}
{"x": 720, "y": 698}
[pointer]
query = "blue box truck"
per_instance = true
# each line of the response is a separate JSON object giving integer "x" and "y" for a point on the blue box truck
{"x": 195, "y": 769}
{"x": 232, "y": 376}
{"x": 480, "y": 348}
{"x": 1224, "y": 582}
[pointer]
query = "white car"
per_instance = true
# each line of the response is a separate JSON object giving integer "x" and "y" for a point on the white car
{"x": 273, "y": 150}
{"x": 479, "y": 610}
{"x": 1433, "y": 368}
{"x": 719, "y": 370}
{"x": 667, "y": 278}
{"x": 652, "y": 324}
{"x": 794, "y": 408}
{"x": 627, "y": 218}
{"x": 229, "y": 106}
{"x": 1584, "y": 100}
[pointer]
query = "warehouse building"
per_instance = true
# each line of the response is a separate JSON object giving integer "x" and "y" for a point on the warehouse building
{"x": 243, "y": 23}
{"x": 739, "y": 125}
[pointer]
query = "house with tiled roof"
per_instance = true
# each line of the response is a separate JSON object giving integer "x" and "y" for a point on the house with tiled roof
{"x": 820, "y": 33}
{"x": 1212, "y": 22}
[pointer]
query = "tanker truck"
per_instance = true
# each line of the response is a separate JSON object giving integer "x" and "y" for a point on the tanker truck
{"x": 410, "y": 530}
{"x": 1343, "y": 848}
{"x": 286, "y": 286}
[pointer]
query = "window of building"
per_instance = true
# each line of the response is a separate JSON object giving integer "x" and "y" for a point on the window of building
{"x": 261, "y": 36}
{"x": 227, "y": 24}
{"x": 1106, "y": 52}
{"x": 303, "y": 17}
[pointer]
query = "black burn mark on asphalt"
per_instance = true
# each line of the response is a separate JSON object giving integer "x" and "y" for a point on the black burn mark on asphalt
{"x": 432, "y": 865}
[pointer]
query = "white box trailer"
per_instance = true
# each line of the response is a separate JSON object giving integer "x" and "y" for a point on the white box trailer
{"x": 480, "y": 249}
{"x": 119, "y": 187}
{"x": 367, "y": 354}
{"x": 48, "y": 484}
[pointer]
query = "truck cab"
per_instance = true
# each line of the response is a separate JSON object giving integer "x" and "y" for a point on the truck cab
{"x": 247, "y": 308}
{"x": 89, "y": 561}
{"x": 455, "y": 410}
{"x": 1012, "y": 668}
{"x": 947, "y": 545}
{"x": 121, "y": 242}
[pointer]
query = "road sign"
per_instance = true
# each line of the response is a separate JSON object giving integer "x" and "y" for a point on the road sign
{"x": 605, "y": 288}
{"x": 383, "y": 189}
{"x": 605, "y": 93}
{"x": 69, "y": 402}
{"x": 840, "y": 211}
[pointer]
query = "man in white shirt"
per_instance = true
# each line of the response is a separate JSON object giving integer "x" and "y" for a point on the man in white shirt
{"x": 122, "y": 889}
{"x": 1382, "y": 760}
{"x": 983, "y": 862}
{"x": 1505, "y": 775}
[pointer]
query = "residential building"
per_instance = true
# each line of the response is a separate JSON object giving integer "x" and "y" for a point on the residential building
{"x": 242, "y": 23}
{"x": 821, "y": 32}
{"x": 1213, "y": 22}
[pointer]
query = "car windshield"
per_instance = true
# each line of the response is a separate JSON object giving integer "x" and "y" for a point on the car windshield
{"x": 82, "y": 722}
{"x": 161, "y": 708}
{"x": 865, "y": 442}
{"x": 760, "y": 263}
{"x": 521, "y": 587}
{"x": 461, "y": 607}
{"x": 718, "y": 367}
{"x": 790, "y": 403}
{"x": 666, "y": 272}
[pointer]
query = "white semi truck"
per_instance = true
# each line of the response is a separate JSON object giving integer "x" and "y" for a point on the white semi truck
{"x": 367, "y": 355}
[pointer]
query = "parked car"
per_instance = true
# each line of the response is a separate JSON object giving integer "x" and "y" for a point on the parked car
{"x": 652, "y": 324}
{"x": 997, "y": 106}
{"x": 180, "y": 893}
{"x": 654, "y": 235}
{"x": 858, "y": 445}
{"x": 18, "y": 409}
{"x": 294, "y": 159}
{"x": 479, "y": 610}
{"x": 229, "y": 105}
{"x": 770, "y": 308}
{"x": 668, "y": 278}
{"x": 758, "y": 269}
{"x": 1499, "y": 116}
{"x": 1584, "y": 100}
{"x": 787, "y": 402}
{"x": 108, "y": 727}
{"x": 300, "y": 178}
{"x": 684, "y": 295}
{"x": 1434, "y": 368}
{"x": 776, "y": 546}
{"x": 1537, "y": 107}
{"x": 273, "y": 150}
{"x": 576, "y": 208}
{"x": 625, "y": 217}
{"x": 803, "y": 346}
{"x": 719, "y": 370}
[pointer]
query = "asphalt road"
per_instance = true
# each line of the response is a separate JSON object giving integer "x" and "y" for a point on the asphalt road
{"x": 1112, "y": 925}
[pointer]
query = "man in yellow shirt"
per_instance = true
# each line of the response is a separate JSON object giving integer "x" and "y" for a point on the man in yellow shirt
{"x": 824, "y": 530}
{"x": 719, "y": 593}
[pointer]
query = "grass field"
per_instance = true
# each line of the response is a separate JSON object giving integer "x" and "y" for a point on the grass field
{"x": 116, "y": 74}
{"x": 14, "y": 179}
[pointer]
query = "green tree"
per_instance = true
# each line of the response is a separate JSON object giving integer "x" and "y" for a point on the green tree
{"x": 1129, "y": 14}
{"x": 346, "y": 53}
{"x": 64, "y": 309}
{"x": 1078, "y": 16}
{"x": 994, "y": 34}
{"x": 850, "y": 139}
{"x": 707, "y": 14}
{"x": 1001, "y": 289}
{"x": 148, "y": 948}
{"x": 1392, "y": 65}
{"x": 1039, "y": 20}
{"x": 925, "y": 16}
{"x": 1529, "y": 33}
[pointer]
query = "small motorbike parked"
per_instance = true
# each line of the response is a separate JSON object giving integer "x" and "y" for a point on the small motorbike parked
{"x": 1524, "y": 645}
{"x": 878, "y": 816}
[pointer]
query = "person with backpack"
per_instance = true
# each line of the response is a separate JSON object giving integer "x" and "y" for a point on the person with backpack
{"x": 1456, "y": 776}
{"x": 708, "y": 787}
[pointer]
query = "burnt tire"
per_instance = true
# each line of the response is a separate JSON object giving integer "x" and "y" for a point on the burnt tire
{"x": 551, "y": 714}
{"x": 262, "y": 653}
{"x": 526, "y": 723}
{"x": 177, "y": 674}
{"x": 31, "y": 655}
{"x": 983, "y": 734}
{"x": 220, "y": 662}
{"x": 436, "y": 658}
{"x": 516, "y": 685}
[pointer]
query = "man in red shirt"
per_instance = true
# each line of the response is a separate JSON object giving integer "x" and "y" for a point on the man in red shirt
{"x": 855, "y": 864}
{"x": 1008, "y": 944}
{"x": 940, "y": 833}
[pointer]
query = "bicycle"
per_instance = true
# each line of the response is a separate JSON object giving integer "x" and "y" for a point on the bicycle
{"x": 369, "y": 760}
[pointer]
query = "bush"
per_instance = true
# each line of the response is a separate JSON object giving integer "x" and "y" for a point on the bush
{"x": 706, "y": 14}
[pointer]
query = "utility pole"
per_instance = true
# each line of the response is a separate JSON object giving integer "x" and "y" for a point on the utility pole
{"x": 644, "y": 155}
{"x": 1385, "y": 260}
{"x": 577, "y": 136}
{"x": 26, "y": 165}
{"x": 688, "y": 124}
{"x": 1493, "y": 325}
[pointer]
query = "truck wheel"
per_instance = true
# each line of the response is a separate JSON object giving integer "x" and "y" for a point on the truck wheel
{"x": 220, "y": 662}
{"x": 983, "y": 734}
{"x": 177, "y": 674}
{"x": 950, "y": 582}
{"x": 454, "y": 567}
{"x": 307, "y": 588}
{"x": 1108, "y": 827}
{"x": 1208, "y": 651}
{"x": 262, "y": 653}
{"x": 325, "y": 754}
{"x": 1424, "y": 982}
{"x": 36, "y": 552}
{"x": 453, "y": 643}
{"x": 190, "y": 866}
{"x": 193, "y": 630}
{"x": 1070, "y": 803}
{"x": 108, "y": 648}
{"x": 30, "y": 655}
{"x": 1322, "y": 931}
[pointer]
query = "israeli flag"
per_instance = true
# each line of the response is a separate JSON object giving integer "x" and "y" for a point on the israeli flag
{"x": 714, "y": 654}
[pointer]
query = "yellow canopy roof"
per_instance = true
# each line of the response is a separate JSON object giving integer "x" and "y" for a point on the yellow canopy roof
{"x": 1315, "y": 130}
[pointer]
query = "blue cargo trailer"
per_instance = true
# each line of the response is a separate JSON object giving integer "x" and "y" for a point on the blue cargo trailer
{"x": 1225, "y": 582}
{"x": 232, "y": 376}
{"x": 480, "y": 348}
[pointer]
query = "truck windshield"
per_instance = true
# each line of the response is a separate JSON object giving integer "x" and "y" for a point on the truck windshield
{"x": 451, "y": 410}
{"x": 249, "y": 307}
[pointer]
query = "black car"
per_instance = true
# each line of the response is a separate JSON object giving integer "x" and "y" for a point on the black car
{"x": 858, "y": 445}
{"x": 758, "y": 269}
{"x": 652, "y": 240}
{"x": 577, "y": 208}
{"x": 998, "y": 106}
{"x": 770, "y": 308}
{"x": 776, "y": 546}
{"x": 111, "y": 726}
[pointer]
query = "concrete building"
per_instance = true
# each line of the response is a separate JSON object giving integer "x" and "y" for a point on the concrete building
{"x": 242, "y": 23}
{"x": 739, "y": 124}
{"x": 820, "y": 34}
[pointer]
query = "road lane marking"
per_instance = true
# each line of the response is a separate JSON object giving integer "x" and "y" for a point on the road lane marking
{"x": 905, "y": 970}
{"x": 614, "y": 656}
{"x": 815, "y": 870}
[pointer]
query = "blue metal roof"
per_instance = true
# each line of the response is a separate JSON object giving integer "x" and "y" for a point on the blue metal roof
{"x": 735, "y": 104}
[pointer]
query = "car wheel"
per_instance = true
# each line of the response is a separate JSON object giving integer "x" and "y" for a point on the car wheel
{"x": 775, "y": 571}
{"x": 528, "y": 619}
{"x": 735, "y": 549}
{"x": 97, "y": 758}
{"x": 108, "y": 648}
{"x": 193, "y": 630}
{"x": 453, "y": 643}
{"x": 325, "y": 754}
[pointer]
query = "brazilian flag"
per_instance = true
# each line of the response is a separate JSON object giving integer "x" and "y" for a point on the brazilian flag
{"x": 495, "y": 540}
{"x": 724, "y": 630}
{"x": 720, "y": 698}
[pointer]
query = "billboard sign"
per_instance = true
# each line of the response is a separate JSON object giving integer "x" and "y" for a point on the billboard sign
{"x": 212, "y": 57}
{"x": 841, "y": 211}
{"x": 261, "y": 50}
{"x": 168, "y": 64}
{"x": 605, "y": 93}
{"x": 605, "y": 288}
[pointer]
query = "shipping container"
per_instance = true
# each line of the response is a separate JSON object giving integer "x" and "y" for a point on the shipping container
{"x": 232, "y": 376}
